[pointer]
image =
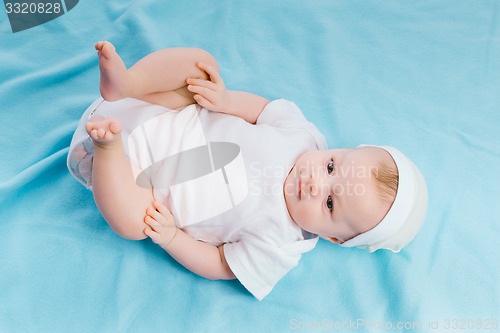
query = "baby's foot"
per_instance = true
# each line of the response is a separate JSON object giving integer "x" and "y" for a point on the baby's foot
{"x": 105, "y": 132}
{"x": 114, "y": 79}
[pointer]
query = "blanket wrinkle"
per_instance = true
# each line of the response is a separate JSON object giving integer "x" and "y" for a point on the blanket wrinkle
{"x": 34, "y": 171}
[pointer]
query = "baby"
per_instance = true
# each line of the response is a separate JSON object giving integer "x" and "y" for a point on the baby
{"x": 230, "y": 184}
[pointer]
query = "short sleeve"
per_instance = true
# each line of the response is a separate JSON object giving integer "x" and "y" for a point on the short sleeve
{"x": 258, "y": 265}
{"x": 287, "y": 115}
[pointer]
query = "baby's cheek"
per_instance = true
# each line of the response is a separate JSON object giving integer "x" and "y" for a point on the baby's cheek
{"x": 303, "y": 216}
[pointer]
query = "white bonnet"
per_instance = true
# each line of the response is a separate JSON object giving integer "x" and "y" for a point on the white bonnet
{"x": 406, "y": 215}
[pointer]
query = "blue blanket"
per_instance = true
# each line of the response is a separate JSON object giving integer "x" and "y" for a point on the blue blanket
{"x": 423, "y": 76}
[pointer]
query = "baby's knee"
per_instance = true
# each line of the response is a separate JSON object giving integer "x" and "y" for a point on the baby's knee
{"x": 207, "y": 58}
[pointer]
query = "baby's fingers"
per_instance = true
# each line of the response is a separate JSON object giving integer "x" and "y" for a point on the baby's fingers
{"x": 154, "y": 224}
{"x": 205, "y": 92}
{"x": 163, "y": 210}
{"x": 155, "y": 237}
{"x": 214, "y": 75}
{"x": 155, "y": 214}
{"x": 204, "y": 102}
{"x": 201, "y": 83}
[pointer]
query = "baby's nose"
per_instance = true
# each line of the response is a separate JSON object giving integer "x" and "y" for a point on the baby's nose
{"x": 316, "y": 185}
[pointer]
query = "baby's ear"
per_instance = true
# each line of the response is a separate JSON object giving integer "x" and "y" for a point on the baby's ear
{"x": 332, "y": 239}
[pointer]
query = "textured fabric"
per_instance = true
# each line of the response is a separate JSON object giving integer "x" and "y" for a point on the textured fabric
{"x": 421, "y": 76}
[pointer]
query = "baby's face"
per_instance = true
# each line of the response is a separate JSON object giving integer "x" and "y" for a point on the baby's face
{"x": 332, "y": 193}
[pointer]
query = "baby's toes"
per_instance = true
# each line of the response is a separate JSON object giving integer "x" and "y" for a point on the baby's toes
{"x": 93, "y": 134}
{"x": 115, "y": 126}
{"x": 97, "y": 133}
{"x": 103, "y": 130}
{"x": 88, "y": 127}
{"x": 107, "y": 50}
{"x": 108, "y": 136}
{"x": 101, "y": 133}
{"x": 98, "y": 45}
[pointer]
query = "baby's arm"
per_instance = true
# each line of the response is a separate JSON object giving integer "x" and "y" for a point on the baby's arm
{"x": 212, "y": 94}
{"x": 201, "y": 258}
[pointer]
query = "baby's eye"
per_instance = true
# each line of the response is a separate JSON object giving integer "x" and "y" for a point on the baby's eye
{"x": 329, "y": 203}
{"x": 330, "y": 167}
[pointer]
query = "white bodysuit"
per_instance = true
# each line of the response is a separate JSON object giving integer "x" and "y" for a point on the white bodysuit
{"x": 221, "y": 177}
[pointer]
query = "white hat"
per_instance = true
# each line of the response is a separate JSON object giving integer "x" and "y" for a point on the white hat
{"x": 406, "y": 215}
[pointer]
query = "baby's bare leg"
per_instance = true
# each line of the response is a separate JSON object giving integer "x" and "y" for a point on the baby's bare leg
{"x": 121, "y": 202}
{"x": 158, "y": 78}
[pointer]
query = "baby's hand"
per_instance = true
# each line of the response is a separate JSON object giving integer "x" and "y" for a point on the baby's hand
{"x": 210, "y": 94}
{"x": 161, "y": 226}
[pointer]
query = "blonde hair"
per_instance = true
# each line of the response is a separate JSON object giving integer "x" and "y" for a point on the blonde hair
{"x": 386, "y": 182}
